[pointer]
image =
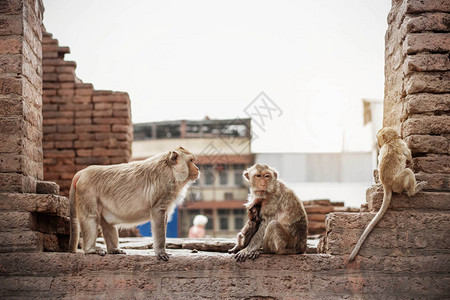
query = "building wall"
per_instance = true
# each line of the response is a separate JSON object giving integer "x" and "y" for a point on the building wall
{"x": 417, "y": 85}
{"x": 20, "y": 95}
{"x": 82, "y": 126}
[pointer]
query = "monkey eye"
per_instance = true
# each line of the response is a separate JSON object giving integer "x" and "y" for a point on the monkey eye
{"x": 258, "y": 175}
{"x": 267, "y": 176}
{"x": 192, "y": 160}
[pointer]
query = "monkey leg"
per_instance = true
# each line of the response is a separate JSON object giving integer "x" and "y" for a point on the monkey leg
{"x": 111, "y": 237}
{"x": 158, "y": 222}
{"x": 405, "y": 181}
{"x": 89, "y": 227}
{"x": 277, "y": 239}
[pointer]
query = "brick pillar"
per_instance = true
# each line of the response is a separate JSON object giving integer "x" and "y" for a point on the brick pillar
{"x": 417, "y": 84}
{"x": 20, "y": 95}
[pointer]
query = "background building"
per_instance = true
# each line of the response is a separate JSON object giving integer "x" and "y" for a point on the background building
{"x": 223, "y": 148}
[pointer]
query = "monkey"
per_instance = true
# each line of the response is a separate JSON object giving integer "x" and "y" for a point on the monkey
{"x": 129, "y": 194}
{"x": 284, "y": 224}
{"x": 251, "y": 227}
{"x": 393, "y": 175}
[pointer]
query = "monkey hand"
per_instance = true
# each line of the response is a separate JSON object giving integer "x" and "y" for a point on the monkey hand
{"x": 245, "y": 253}
{"x": 162, "y": 255}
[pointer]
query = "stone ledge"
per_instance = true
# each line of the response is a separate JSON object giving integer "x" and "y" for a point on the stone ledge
{"x": 423, "y": 200}
{"x": 206, "y": 275}
{"x": 39, "y": 203}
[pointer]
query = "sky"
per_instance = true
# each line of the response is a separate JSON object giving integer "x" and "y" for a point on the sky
{"x": 314, "y": 60}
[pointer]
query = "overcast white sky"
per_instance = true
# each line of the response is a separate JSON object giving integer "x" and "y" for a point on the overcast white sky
{"x": 187, "y": 59}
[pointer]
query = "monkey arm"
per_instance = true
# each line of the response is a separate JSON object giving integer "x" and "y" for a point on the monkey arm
{"x": 158, "y": 222}
{"x": 254, "y": 248}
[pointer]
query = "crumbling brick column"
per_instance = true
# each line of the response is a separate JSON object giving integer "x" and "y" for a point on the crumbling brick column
{"x": 20, "y": 95}
{"x": 82, "y": 126}
{"x": 417, "y": 84}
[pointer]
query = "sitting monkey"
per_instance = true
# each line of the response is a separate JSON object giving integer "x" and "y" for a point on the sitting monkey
{"x": 284, "y": 225}
{"x": 251, "y": 227}
{"x": 126, "y": 195}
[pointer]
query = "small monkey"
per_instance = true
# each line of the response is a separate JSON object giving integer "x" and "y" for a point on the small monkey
{"x": 393, "y": 175}
{"x": 251, "y": 227}
{"x": 127, "y": 195}
{"x": 284, "y": 225}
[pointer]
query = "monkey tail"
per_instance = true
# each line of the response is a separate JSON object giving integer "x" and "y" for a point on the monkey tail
{"x": 386, "y": 200}
{"x": 74, "y": 223}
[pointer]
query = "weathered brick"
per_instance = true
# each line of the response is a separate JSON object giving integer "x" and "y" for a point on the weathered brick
{"x": 15, "y": 220}
{"x": 427, "y": 144}
{"x": 11, "y": 163}
{"x": 23, "y": 241}
{"x": 428, "y": 82}
{"x": 426, "y": 125}
{"x": 439, "y": 182}
{"x": 11, "y": 45}
{"x": 426, "y": 62}
{"x": 420, "y": 103}
{"x": 419, "y": 6}
{"x": 421, "y": 201}
{"x": 10, "y": 85}
{"x": 434, "y": 21}
{"x": 11, "y": 63}
{"x": 432, "y": 164}
{"x": 47, "y": 187}
{"x": 423, "y": 42}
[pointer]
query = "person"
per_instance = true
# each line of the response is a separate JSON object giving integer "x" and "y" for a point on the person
{"x": 198, "y": 230}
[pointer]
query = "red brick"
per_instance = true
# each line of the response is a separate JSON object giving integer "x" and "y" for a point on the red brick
{"x": 64, "y": 144}
{"x": 99, "y": 120}
{"x": 102, "y": 113}
{"x": 83, "y": 114}
{"x": 83, "y": 121}
{"x": 65, "y": 129}
{"x": 67, "y": 85}
{"x": 60, "y": 153}
{"x": 66, "y": 92}
{"x": 92, "y": 160}
{"x": 81, "y": 99}
{"x": 92, "y": 128}
{"x": 65, "y": 69}
{"x": 87, "y": 144}
{"x": 121, "y": 113}
{"x": 120, "y": 106}
{"x": 48, "y": 145}
{"x": 103, "y": 106}
{"x": 67, "y": 77}
{"x": 58, "y": 114}
{"x": 59, "y": 121}
{"x": 121, "y": 128}
{"x": 84, "y": 152}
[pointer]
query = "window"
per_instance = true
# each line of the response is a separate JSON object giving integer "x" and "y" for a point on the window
{"x": 223, "y": 174}
{"x": 208, "y": 175}
{"x": 224, "y": 215}
{"x": 228, "y": 196}
{"x": 238, "y": 223}
{"x": 238, "y": 170}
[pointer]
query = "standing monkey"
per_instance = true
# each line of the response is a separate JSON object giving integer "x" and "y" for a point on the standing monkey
{"x": 284, "y": 225}
{"x": 394, "y": 176}
{"x": 127, "y": 195}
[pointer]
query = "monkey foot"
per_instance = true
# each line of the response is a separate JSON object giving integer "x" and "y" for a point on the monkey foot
{"x": 243, "y": 255}
{"x": 96, "y": 250}
{"x": 233, "y": 250}
{"x": 116, "y": 251}
{"x": 162, "y": 256}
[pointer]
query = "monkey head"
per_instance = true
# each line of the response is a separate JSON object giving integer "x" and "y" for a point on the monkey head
{"x": 385, "y": 135}
{"x": 183, "y": 166}
{"x": 261, "y": 178}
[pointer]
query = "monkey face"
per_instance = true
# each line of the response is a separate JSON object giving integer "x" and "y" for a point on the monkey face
{"x": 183, "y": 164}
{"x": 261, "y": 178}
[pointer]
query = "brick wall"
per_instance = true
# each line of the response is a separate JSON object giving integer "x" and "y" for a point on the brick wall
{"x": 82, "y": 126}
{"x": 20, "y": 95}
{"x": 417, "y": 85}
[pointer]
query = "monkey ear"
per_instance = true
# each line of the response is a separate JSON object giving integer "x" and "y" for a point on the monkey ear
{"x": 173, "y": 157}
{"x": 275, "y": 174}
{"x": 246, "y": 176}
